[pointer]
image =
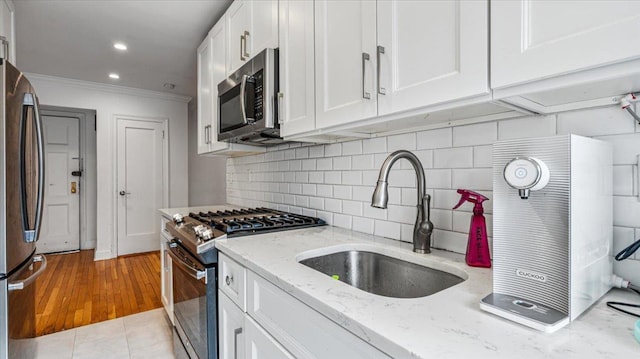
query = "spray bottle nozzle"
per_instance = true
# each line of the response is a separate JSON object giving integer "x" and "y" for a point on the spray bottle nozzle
{"x": 470, "y": 196}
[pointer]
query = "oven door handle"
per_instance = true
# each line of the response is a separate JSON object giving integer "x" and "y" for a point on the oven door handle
{"x": 194, "y": 273}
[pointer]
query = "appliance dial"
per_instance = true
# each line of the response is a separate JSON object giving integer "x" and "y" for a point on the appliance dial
{"x": 178, "y": 218}
{"x": 526, "y": 174}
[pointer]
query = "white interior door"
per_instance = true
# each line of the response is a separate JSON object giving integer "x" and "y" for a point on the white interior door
{"x": 140, "y": 148}
{"x": 61, "y": 215}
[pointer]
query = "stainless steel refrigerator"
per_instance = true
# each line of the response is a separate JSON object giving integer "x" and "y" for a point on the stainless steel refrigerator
{"x": 21, "y": 197}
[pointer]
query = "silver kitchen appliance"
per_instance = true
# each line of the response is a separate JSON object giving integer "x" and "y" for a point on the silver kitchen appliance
{"x": 247, "y": 103}
{"x": 21, "y": 197}
{"x": 552, "y": 229}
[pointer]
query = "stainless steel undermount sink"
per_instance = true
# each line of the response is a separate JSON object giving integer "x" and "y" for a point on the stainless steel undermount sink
{"x": 382, "y": 275}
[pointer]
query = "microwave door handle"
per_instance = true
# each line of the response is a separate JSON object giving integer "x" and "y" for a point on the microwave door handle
{"x": 31, "y": 234}
{"x": 243, "y": 106}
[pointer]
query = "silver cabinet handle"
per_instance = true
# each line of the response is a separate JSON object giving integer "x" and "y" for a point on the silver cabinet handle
{"x": 243, "y": 42}
{"x": 365, "y": 58}
{"x": 31, "y": 232}
{"x": 236, "y": 332}
{"x": 381, "y": 90}
{"x": 281, "y": 118}
{"x": 207, "y": 134}
{"x": 228, "y": 279}
{"x": 246, "y": 53}
{"x": 124, "y": 193}
{"x": 5, "y": 48}
{"x": 21, "y": 284}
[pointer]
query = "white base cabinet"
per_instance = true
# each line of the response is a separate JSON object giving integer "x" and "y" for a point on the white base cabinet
{"x": 166, "y": 271}
{"x": 277, "y": 325}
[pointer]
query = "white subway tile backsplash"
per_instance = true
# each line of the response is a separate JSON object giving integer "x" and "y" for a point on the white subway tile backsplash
{"x": 302, "y": 152}
{"x": 596, "y": 122}
{"x": 324, "y": 164}
{"x": 478, "y": 134}
{"x": 342, "y": 163}
{"x": 441, "y": 218}
{"x": 374, "y": 145}
{"x": 405, "y": 141}
{"x": 440, "y": 138}
{"x": 402, "y": 214}
{"x": 335, "y": 182}
{"x": 342, "y": 221}
{"x": 482, "y": 156}
{"x": 364, "y": 225}
{"x": 333, "y": 205}
{"x": 352, "y": 148}
{"x": 353, "y": 208}
{"x": 476, "y": 179}
{"x": 625, "y": 148}
{"x": 438, "y": 178}
{"x": 537, "y": 126}
{"x": 316, "y": 151}
{"x": 352, "y": 177}
{"x": 333, "y": 177}
{"x": 316, "y": 177}
{"x": 626, "y": 211}
{"x": 387, "y": 229}
{"x": 623, "y": 180}
{"x": 309, "y": 165}
{"x": 362, "y": 162}
{"x": 324, "y": 190}
{"x": 342, "y": 192}
{"x": 334, "y": 149}
{"x": 460, "y": 157}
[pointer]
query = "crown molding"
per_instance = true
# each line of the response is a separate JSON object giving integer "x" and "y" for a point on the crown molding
{"x": 109, "y": 88}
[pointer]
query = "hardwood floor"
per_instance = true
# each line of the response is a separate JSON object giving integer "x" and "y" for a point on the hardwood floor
{"x": 74, "y": 290}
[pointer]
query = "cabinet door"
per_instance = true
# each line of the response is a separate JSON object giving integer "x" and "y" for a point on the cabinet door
{"x": 296, "y": 111}
{"x": 532, "y": 40}
{"x": 345, "y": 45}
{"x": 260, "y": 345}
{"x": 231, "y": 329}
{"x": 218, "y": 74}
{"x": 166, "y": 278}
{"x": 205, "y": 96}
{"x": 264, "y": 26}
{"x": 238, "y": 29}
{"x": 430, "y": 52}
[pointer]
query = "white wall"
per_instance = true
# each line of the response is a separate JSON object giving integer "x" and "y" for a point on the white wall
{"x": 335, "y": 181}
{"x": 109, "y": 102}
{"x": 207, "y": 175}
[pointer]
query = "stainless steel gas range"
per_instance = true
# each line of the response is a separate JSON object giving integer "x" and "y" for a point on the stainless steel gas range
{"x": 195, "y": 260}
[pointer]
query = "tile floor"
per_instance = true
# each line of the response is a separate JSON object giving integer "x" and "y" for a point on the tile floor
{"x": 138, "y": 336}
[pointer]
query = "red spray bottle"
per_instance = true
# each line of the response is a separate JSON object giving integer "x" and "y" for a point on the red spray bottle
{"x": 478, "y": 245}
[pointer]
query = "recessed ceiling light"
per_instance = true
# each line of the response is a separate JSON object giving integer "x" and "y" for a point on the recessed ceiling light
{"x": 120, "y": 46}
{"x": 114, "y": 76}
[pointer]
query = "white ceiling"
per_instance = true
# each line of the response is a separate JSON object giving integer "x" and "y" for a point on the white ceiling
{"x": 74, "y": 39}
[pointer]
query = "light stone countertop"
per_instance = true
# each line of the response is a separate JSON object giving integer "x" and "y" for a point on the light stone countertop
{"x": 448, "y": 324}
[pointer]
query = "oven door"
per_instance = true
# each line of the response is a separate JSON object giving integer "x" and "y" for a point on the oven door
{"x": 194, "y": 308}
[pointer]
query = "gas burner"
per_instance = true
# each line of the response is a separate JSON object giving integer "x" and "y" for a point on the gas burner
{"x": 245, "y": 221}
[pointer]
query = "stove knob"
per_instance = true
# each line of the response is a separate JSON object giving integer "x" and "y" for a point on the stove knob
{"x": 178, "y": 218}
{"x": 198, "y": 229}
{"x": 206, "y": 235}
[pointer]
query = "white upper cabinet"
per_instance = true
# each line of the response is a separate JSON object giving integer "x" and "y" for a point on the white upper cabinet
{"x": 345, "y": 45}
{"x": 252, "y": 26}
{"x": 7, "y": 29}
{"x": 205, "y": 96}
{"x": 534, "y": 40}
{"x": 377, "y": 58}
{"x": 430, "y": 52}
{"x": 296, "y": 102}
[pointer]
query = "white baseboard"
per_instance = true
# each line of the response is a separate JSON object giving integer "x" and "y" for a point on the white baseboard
{"x": 102, "y": 255}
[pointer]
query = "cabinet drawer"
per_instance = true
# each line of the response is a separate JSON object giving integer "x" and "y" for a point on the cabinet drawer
{"x": 231, "y": 280}
{"x": 315, "y": 335}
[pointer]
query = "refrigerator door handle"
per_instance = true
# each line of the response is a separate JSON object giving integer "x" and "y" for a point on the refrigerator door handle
{"x": 21, "y": 284}
{"x": 31, "y": 234}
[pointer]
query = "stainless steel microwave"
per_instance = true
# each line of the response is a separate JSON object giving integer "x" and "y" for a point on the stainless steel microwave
{"x": 247, "y": 106}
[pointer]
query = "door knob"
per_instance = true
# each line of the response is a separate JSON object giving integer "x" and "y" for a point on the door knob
{"x": 123, "y": 193}
{"x": 73, "y": 187}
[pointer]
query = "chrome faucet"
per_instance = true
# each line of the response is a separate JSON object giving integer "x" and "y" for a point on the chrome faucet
{"x": 423, "y": 227}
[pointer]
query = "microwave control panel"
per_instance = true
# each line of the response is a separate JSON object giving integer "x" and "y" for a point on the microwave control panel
{"x": 259, "y": 95}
